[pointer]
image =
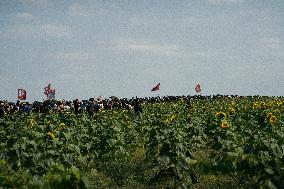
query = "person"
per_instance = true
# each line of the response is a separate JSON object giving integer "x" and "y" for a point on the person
{"x": 45, "y": 106}
{"x": 137, "y": 108}
{"x": 27, "y": 108}
{"x": 2, "y": 111}
{"x": 90, "y": 108}
{"x": 76, "y": 106}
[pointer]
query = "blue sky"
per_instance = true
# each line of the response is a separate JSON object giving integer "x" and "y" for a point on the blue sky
{"x": 125, "y": 47}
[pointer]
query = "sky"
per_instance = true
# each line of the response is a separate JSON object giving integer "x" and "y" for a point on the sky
{"x": 124, "y": 48}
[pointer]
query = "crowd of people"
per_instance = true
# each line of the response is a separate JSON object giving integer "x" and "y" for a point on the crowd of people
{"x": 94, "y": 105}
{"x": 91, "y": 106}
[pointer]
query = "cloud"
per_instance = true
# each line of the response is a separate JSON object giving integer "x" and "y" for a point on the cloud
{"x": 56, "y": 31}
{"x": 24, "y": 16}
{"x": 74, "y": 56}
{"x": 270, "y": 48}
{"x": 157, "y": 48}
{"x": 19, "y": 31}
{"x": 146, "y": 21}
{"x": 224, "y": 1}
{"x": 80, "y": 10}
{"x": 22, "y": 31}
{"x": 270, "y": 43}
{"x": 145, "y": 47}
{"x": 34, "y": 2}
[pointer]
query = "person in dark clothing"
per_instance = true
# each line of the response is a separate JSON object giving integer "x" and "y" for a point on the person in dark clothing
{"x": 18, "y": 103}
{"x": 27, "y": 108}
{"x": 45, "y": 106}
{"x": 90, "y": 108}
{"x": 36, "y": 106}
{"x": 137, "y": 108}
{"x": 76, "y": 106}
{"x": 2, "y": 111}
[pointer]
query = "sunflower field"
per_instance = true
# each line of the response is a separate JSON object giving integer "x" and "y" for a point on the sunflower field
{"x": 188, "y": 143}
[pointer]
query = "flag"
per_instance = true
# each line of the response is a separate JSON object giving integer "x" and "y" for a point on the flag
{"x": 47, "y": 89}
{"x": 49, "y": 92}
{"x": 22, "y": 94}
{"x": 198, "y": 88}
{"x": 156, "y": 88}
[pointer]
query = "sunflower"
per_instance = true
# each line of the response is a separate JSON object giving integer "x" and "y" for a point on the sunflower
{"x": 31, "y": 123}
{"x": 61, "y": 126}
{"x": 269, "y": 104}
{"x": 172, "y": 118}
{"x": 272, "y": 119}
{"x": 225, "y": 124}
{"x": 51, "y": 135}
{"x": 255, "y": 105}
{"x": 167, "y": 120}
{"x": 221, "y": 114}
{"x": 232, "y": 110}
{"x": 263, "y": 105}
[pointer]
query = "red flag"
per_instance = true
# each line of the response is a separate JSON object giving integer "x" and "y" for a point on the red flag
{"x": 47, "y": 89}
{"x": 22, "y": 94}
{"x": 49, "y": 92}
{"x": 156, "y": 88}
{"x": 198, "y": 88}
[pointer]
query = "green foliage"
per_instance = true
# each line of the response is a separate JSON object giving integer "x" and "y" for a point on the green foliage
{"x": 236, "y": 141}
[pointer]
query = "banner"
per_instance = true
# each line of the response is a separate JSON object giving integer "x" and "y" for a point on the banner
{"x": 22, "y": 94}
{"x": 49, "y": 92}
{"x": 156, "y": 88}
{"x": 198, "y": 88}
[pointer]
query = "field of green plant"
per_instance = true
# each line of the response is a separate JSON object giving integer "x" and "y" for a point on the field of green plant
{"x": 210, "y": 143}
